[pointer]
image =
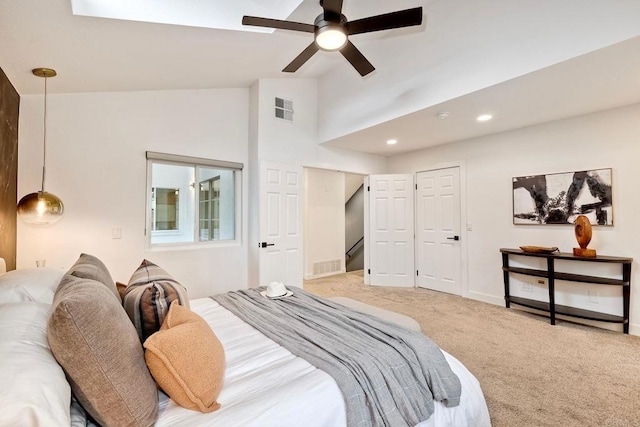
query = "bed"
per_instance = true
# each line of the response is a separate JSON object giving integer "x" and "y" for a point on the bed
{"x": 264, "y": 384}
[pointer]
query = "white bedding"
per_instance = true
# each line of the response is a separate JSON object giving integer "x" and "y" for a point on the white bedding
{"x": 265, "y": 385}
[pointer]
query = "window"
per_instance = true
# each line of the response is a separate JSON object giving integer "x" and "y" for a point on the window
{"x": 210, "y": 209}
{"x": 165, "y": 209}
{"x": 192, "y": 200}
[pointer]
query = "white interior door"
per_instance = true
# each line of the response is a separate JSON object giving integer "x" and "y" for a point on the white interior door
{"x": 438, "y": 248}
{"x": 280, "y": 253}
{"x": 391, "y": 241}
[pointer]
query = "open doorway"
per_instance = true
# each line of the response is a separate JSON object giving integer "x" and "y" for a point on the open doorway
{"x": 333, "y": 221}
{"x": 354, "y": 222}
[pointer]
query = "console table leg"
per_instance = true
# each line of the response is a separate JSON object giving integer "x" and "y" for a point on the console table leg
{"x": 626, "y": 296}
{"x": 505, "y": 275}
{"x": 552, "y": 292}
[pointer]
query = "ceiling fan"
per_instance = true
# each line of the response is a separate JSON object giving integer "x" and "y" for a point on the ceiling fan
{"x": 331, "y": 31}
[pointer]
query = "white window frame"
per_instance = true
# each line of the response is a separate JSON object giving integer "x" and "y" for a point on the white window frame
{"x": 196, "y": 163}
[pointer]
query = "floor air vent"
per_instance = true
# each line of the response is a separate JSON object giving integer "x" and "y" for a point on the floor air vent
{"x": 326, "y": 267}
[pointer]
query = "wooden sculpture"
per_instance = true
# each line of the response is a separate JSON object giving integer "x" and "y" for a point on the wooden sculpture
{"x": 583, "y": 236}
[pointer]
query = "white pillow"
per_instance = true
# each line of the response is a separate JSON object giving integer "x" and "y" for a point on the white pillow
{"x": 30, "y": 284}
{"x": 34, "y": 389}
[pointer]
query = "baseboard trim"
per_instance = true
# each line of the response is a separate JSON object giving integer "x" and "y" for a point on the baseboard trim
{"x": 479, "y": 296}
{"x": 320, "y": 276}
{"x": 392, "y": 286}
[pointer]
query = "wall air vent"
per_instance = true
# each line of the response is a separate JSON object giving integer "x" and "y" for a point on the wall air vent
{"x": 284, "y": 109}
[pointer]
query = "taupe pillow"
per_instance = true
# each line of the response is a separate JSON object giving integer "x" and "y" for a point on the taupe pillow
{"x": 147, "y": 298}
{"x": 187, "y": 360}
{"x": 89, "y": 267}
{"x": 94, "y": 341}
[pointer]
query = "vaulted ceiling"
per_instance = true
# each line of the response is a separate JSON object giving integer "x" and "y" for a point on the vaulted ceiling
{"x": 525, "y": 61}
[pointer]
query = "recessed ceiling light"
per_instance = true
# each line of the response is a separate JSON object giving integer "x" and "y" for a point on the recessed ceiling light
{"x": 442, "y": 115}
{"x": 484, "y": 117}
{"x": 392, "y": 142}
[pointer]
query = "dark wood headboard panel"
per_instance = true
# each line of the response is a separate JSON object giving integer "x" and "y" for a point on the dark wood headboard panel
{"x": 9, "y": 109}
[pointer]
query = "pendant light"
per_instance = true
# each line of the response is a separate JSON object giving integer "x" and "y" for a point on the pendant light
{"x": 41, "y": 207}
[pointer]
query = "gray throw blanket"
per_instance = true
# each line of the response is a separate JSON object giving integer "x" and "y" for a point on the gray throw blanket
{"x": 388, "y": 375}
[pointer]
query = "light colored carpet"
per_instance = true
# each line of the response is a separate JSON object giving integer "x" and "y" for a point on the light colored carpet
{"x": 532, "y": 373}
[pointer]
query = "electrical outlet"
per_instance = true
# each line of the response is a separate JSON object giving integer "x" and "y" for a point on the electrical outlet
{"x": 527, "y": 287}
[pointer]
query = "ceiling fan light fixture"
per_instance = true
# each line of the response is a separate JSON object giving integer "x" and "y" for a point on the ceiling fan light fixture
{"x": 331, "y": 37}
{"x": 331, "y": 31}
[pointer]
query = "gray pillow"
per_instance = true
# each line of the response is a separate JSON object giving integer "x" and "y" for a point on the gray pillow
{"x": 148, "y": 297}
{"x": 93, "y": 340}
{"x": 89, "y": 267}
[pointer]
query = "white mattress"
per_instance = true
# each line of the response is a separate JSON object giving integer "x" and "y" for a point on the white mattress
{"x": 265, "y": 385}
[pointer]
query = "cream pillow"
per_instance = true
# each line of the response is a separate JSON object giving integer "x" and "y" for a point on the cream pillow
{"x": 187, "y": 360}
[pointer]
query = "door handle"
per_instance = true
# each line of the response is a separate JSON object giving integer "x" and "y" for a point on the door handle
{"x": 265, "y": 244}
{"x": 453, "y": 238}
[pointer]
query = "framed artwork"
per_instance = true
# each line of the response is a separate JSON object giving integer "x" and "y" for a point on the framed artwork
{"x": 560, "y": 197}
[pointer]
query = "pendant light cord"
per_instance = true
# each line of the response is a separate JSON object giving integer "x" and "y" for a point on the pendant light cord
{"x": 44, "y": 142}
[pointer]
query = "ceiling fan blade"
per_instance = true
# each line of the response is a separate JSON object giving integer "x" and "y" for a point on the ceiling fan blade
{"x": 302, "y": 58}
{"x": 332, "y": 6}
{"x": 388, "y": 21}
{"x": 357, "y": 59}
{"x": 278, "y": 24}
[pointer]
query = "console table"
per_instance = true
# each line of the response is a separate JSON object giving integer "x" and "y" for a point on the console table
{"x": 551, "y": 275}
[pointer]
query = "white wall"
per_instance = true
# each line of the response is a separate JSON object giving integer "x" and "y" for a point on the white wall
{"x": 324, "y": 220}
{"x": 296, "y": 142}
{"x": 601, "y": 140}
{"x": 293, "y": 143}
{"x": 253, "y": 233}
{"x": 96, "y": 164}
{"x": 499, "y": 42}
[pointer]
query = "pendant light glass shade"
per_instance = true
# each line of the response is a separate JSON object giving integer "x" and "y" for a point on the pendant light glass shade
{"x": 41, "y": 207}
